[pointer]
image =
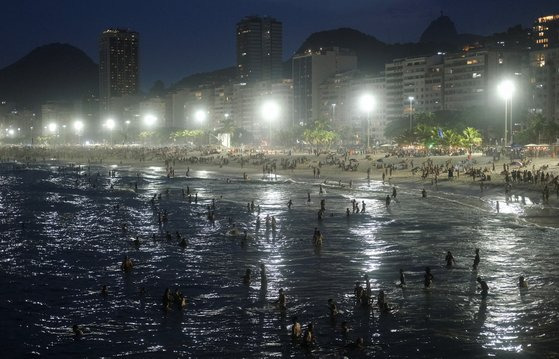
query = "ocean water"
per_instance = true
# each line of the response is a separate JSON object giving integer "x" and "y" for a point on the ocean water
{"x": 71, "y": 243}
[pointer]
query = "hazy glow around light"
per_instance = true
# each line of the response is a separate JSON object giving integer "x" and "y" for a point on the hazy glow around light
{"x": 150, "y": 120}
{"x": 506, "y": 89}
{"x": 52, "y": 127}
{"x": 411, "y": 98}
{"x": 270, "y": 110}
{"x": 110, "y": 124}
{"x": 11, "y": 132}
{"x": 366, "y": 103}
{"x": 200, "y": 116}
{"x": 78, "y": 125}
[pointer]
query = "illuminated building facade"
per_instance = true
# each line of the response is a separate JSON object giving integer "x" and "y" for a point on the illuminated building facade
{"x": 259, "y": 49}
{"x": 546, "y": 32}
{"x": 118, "y": 64}
{"x": 544, "y": 81}
{"x": 310, "y": 70}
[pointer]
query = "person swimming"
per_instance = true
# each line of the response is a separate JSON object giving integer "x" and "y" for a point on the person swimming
{"x": 308, "y": 337}
{"x": 126, "y": 264}
{"x": 449, "y": 259}
{"x": 289, "y": 204}
{"x": 296, "y": 330}
{"x": 522, "y": 282}
{"x": 183, "y": 242}
{"x": 367, "y": 285}
{"x": 387, "y": 200}
{"x": 77, "y": 330}
{"x": 104, "y": 291}
{"x": 476, "y": 259}
{"x": 246, "y": 277}
{"x": 263, "y": 279}
{"x": 282, "y": 300}
{"x": 333, "y": 307}
{"x": 358, "y": 344}
{"x": 358, "y": 291}
{"x": 483, "y": 285}
{"x": 402, "y": 277}
{"x": 428, "y": 277}
{"x": 344, "y": 328}
{"x": 423, "y": 193}
{"x": 381, "y": 299}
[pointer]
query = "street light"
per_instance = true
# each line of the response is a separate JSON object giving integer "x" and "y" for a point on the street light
{"x": 52, "y": 127}
{"x": 366, "y": 104}
{"x": 506, "y": 91}
{"x": 150, "y": 120}
{"x": 411, "y": 98}
{"x": 110, "y": 125}
{"x": 333, "y": 112}
{"x": 200, "y": 116}
{"x": 78, "y": 126}
{"x": 270, "y": 112}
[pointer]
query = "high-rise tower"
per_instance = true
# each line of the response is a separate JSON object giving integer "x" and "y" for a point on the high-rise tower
{"x": 118, "y": 64}
{"x": 259, "y": 49}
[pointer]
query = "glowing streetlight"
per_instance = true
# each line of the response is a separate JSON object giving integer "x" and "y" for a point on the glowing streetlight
{"x": 411, "y": 98}
{"x": 52, "y": 127}
{"x": 78, "y": 127}
{"x": 200, "y": 116}
{"x": 110, "y": 124}
{"x": 506, "y": 91}
{"x": 366, "y": 104}
{"x": 150, "y": 120}
{"x": 270, "y": 112}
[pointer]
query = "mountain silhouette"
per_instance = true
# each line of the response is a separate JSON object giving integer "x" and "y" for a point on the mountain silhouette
{"x": 54, "y": 72}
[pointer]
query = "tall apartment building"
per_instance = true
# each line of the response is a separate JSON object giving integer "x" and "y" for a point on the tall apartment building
{"x": 259, "y": 49}
{"x": 544, "y": 81}
{"x": 546, "y": 32}
{"x": 310, "y": 70}
{"x": 118, "y": 64}
{"x": 418, "y": 77}
{"x": 393, "y": 73}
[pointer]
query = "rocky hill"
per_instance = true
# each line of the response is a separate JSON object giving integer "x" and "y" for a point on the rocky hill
{"x": 54, "y": 72}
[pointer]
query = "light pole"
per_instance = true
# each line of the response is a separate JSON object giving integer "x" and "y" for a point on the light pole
{"x": 333, "y": 113}
{"x": 110, "y": 125}
{"x": 127, "y": 122}
{"x": 78, "y": 126}
{"x": 366, "y": 104}
{"x": 506, "y": 91}
{"x": 411, "y": 98}
{"x": 270, "y": 111}
{"x": 200, "y": 117}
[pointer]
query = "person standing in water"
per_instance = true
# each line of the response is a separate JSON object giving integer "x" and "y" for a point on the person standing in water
{"x": 449, "y": 259}
{"x": 428, "y": 277}
{"x": 476, "y": 259}
{"x": 484, "y": 286}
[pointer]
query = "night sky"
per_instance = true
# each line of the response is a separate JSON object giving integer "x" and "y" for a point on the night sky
{"x": 180, "y": 37}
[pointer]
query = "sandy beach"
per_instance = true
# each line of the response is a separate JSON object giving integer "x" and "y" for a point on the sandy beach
{"x": 228, "y": 163}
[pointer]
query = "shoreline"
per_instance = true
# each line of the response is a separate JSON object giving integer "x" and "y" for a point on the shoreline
{"x": 461, "y": 184}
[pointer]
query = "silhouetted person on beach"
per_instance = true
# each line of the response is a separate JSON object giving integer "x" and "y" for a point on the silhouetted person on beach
{"x": 476, "y": 259}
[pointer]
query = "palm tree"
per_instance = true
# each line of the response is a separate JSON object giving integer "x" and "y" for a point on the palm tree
{"x": 471, "y": 137}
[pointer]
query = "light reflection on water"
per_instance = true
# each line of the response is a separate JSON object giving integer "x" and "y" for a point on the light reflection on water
{"x": 72, "y": 243}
